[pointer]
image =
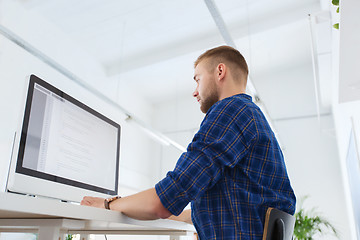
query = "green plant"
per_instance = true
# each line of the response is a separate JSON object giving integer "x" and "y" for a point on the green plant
{"x": 336, "y": 3}
{"x": 69, "y": 237}
{"x": 307, "y": 224}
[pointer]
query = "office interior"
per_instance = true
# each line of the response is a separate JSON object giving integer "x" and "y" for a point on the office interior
{"x": 133, "y": 62}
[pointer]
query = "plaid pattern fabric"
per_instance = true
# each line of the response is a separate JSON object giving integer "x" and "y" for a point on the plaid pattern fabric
{"x": 232, "y": 172}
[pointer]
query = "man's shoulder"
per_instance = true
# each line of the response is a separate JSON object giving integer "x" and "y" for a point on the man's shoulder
{"x": 232, "y": 110}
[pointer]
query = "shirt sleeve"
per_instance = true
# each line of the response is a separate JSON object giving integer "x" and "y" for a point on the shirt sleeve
{"x": 220, "y": 142}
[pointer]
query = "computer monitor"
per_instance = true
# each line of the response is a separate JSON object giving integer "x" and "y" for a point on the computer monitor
{"x": 65, "y": 150}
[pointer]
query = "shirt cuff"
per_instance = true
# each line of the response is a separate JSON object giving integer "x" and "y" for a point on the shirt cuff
{"x": 171, "y": 195}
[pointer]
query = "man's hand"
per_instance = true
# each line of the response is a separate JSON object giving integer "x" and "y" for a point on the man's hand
{"x": 93, "y": 202}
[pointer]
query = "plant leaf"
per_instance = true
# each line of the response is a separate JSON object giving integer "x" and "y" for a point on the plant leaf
{"x": 309, "y": 223}
{"x": 335, "y": 2}
{"x": 336, "y": 25}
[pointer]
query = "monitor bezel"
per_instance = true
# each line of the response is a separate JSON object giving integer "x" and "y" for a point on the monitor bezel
{"x": 19, "y": 169}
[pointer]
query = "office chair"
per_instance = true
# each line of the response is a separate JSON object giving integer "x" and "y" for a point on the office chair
{"x": 279, "y": 225}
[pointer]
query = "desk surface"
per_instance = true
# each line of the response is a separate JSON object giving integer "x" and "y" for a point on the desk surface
{"x": 14, "y": 206}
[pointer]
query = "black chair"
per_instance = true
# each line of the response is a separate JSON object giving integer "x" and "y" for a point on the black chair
{"x": 279, "y": 225}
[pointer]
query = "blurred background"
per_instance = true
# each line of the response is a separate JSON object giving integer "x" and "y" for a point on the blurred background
{"x": 133, "y": 61}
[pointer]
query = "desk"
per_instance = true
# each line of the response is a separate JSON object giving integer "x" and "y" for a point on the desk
{"x": 52, "y": 219}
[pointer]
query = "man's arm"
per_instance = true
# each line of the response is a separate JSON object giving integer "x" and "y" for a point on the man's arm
{"x": 144, "y": 205}
{"x": 185, "y": 216}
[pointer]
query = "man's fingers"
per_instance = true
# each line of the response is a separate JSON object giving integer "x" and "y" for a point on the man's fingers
{"x": 86, "y": 201}
{"x": 93, "y": 202}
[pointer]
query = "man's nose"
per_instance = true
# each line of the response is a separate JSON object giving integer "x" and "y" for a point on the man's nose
{"x": 195, "y": 93}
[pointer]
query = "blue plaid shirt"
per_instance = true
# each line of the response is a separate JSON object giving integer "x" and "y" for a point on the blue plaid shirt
{"x": 232, "y": 172}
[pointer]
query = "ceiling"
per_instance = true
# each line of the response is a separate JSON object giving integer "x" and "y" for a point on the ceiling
{"x": 150, "y": 45}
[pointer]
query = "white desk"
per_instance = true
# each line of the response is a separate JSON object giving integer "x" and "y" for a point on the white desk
{"x": 52, "y": 219}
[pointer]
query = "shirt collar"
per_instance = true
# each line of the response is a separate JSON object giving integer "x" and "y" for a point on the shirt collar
{"x": 243, "y": 95}
{"x": 240, "y": 95}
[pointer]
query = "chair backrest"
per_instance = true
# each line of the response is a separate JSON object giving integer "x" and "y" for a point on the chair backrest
{"x": 279, "y": 225}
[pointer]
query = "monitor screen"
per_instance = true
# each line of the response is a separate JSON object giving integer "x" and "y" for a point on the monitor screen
{"x": 65, "y": 141}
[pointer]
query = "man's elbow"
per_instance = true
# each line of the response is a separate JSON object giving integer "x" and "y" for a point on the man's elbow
{"x": 161, "y": 211}
{"x": 158, "y": 208}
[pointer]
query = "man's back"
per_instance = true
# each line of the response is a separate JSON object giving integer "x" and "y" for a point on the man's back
{"x": 253, "y": 172}
{"x": 233, "y": 171}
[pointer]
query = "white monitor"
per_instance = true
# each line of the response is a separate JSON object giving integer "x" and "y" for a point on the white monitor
{"x": 65, "y": 150}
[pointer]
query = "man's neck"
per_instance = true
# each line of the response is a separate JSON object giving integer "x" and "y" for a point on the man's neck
{"x": 231, "y": 93}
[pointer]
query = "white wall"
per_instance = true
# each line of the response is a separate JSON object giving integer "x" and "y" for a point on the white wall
{"x": 349, "y": 84}
{"x": 345, "y": 115}
{"x": 313, "y": 165}
{"x": 346, "y": 92}
{"x": 178, "y": 119}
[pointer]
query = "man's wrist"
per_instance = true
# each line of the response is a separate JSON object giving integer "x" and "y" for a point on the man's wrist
{"x": 107, "y": 201}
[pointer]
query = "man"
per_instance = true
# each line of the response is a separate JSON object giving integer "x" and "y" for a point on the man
{"x": 233, "y": 169}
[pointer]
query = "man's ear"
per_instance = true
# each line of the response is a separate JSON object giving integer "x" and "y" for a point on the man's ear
{"x": 221, "y": 71}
